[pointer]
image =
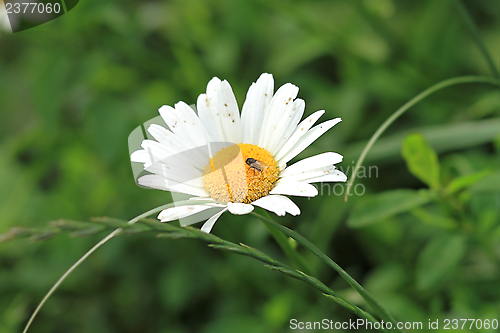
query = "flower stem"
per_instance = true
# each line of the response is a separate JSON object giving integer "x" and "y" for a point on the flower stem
{"x": 242, "y": 249}
{"x": 94, "y": 248}
{"x": 382, "y": 313}
{"x": 409, "y": 104}
{"x": 171, "y": 231}
{"x": 283, "y": 241}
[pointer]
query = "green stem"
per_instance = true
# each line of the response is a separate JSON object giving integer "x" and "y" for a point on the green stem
{"x": 95, "y": 247}
{"x": 278, "y": 266}
{"x": 166, "y": 230}
{"x": 405, "y": 107}
{"x": 242, "y": 249}
{"x": 283, "y": 241}
{"x": 383, "y": 314}
{"x": 329, "y": 293}
{"x": 477, "y": 37}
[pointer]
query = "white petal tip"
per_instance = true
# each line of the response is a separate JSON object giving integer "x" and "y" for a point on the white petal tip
{"x": 239, "y": 208}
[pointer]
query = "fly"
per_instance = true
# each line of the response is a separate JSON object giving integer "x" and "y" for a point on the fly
{"x": 256, "y": 165}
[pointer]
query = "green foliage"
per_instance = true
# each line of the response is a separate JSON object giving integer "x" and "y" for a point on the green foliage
{"x": 433, "y": 219}
{"x": 489, "y": 183}
{"x": 465, "y": 181}
{"x": 376, "y": 208}
{"x": 72, "y": 90}
{"x": 421, "y": 160}
{"x": 439, "y": 259}
{"x": 177, "y": 290}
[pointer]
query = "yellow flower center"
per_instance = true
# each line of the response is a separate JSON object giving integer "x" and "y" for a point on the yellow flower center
{"x": 240, "y": 173}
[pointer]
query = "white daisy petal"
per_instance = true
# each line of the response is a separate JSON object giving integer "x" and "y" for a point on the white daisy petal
{"x": 180, "y": 173}
{"x": 141, "y": 156}
{"x": 271, "y": 205}
{"x": 335, "y": 176}
{"x": 207, "y": 111}
{"x": 184, "y": 123}
{"x": 198, "y": 156}
{"x": 172, "y": 118}
{"x": 168, "y": 138}
{"x": 175, "y": 162}
{"x": 177, "y": 213}
{"x": 157, "y": 151}
{"x": 283, "y": 97}
{"x": 239, "y": 208}
{"x": 205, "y": 198}
{"x": 278, "y": 204}
{"x": 162, "y": 153}
{"x": 295, "y": 188}
{"x": 227, "y": 110}
{"x": 160, "y": 183}
{"x": 207, "y": 226}
{"x": 311, "y": 175}
{"x": 289, "y": 120}
{"x": 302, "y": 129}
{"x": 309, "y": 138}
{"x": 258, "y": 97}
{"x": 213, "y": 87}
{"x": 312, "y": 163}
{"x": 191, "y": 124}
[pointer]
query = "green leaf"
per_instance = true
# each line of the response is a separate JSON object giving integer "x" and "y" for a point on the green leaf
{"x": 462, "y": 182}
{"x": 376, "y": 208}
{"x": 421, "y": 160}
{"x": 489, "y": 183}
{"x": 435, "y": 220}
{"x": 439, "y": 259}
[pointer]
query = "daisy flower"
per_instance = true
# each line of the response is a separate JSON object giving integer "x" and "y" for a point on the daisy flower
{"x": 233, "y": 162}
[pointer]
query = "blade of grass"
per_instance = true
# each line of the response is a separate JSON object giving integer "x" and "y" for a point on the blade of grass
{"x": 381, "y": 312}
{"x": 406, "y": 106}
{"x": 330, "y": 294}
{"x": 165, "y": 230}
{"x": 242, "y": 249}
{"x": 477, "y": 37}
{"x": 292, "y": 254}
{"x": 94, "y": 248}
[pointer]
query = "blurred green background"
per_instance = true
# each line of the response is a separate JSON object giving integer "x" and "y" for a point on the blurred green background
{"x": 71, "y": 91}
